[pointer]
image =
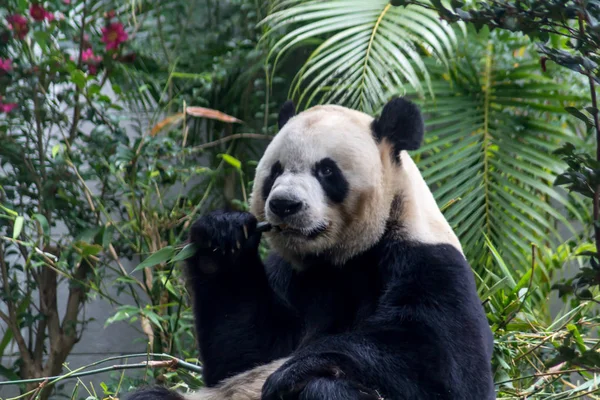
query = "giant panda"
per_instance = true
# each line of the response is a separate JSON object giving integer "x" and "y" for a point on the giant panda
{"x": 367, "y": 294}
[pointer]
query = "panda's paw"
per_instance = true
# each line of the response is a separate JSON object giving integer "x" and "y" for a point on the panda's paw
{"x": 225, "y": 234}
{"x": 297, "y": 376}
{"x": 319, "y": 388}
{"x": 341, "y": 389}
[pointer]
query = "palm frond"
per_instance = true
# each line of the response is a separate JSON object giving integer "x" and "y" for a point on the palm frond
{"x": 369, "y": 48}
{"x": 489, "y": 150}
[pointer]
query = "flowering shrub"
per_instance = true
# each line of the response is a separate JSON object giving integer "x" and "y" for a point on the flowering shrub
{"x": 56, "y": 60}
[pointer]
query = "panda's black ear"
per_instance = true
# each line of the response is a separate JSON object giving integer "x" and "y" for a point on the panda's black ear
{"x": 401, "y": 124}
{"x": 287, "y": 111}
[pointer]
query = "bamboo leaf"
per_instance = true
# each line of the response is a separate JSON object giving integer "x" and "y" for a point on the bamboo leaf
{"x": 18, "y": 227}
{"x": 185, "y": 253}
{"x": 161, "y": 256}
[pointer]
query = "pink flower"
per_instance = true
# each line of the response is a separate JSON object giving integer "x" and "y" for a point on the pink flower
{"x": 18, "y": 24}
{"x": 89, "y": 56}
{"x": 6, "y": 107}
{"x": 113, "y": 35}
{"x": 67, "y": 1}
{"x": 5, "y": 65}
{"x": 39, "y": 13}
{"x": 91, "y": 60}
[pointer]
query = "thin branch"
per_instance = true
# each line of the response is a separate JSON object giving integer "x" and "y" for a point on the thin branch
{"x": 77, "y": 107}
{"x": 231, "y": 137}
{"x": 12, "y": 315}
{"x": 563, "y": 372}
{"x": 171, "y": 362}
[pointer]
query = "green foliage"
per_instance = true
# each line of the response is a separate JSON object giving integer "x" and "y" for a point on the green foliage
{"x": 492, "y": 128}
{"x": 533, "y": 357}
{"x": 365, "y": 49}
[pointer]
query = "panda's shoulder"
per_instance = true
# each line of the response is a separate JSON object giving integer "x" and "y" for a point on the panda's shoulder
{"x": 441, "y": 262}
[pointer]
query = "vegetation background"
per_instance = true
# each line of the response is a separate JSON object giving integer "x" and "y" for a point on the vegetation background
{"x": 121, "y": 122}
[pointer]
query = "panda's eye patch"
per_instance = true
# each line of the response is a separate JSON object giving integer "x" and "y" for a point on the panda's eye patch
{"x": 332, "y": 180}
{"x": 276, "y": 170}
{"x": 326, "y": 168}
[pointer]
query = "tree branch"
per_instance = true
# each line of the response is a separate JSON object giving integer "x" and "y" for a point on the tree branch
{"x": 46, "y": 382}
{"x": 77, "y": 107}
{"x": 232, "y": 137}
{"x": 11, "y": 318}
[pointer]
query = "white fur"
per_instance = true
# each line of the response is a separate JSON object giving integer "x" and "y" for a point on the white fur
{"x": 245, "y": 386}
{"x": 421, "y": 217}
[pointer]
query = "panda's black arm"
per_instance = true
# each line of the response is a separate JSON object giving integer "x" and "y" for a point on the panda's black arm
{"x": 240, "y": 321}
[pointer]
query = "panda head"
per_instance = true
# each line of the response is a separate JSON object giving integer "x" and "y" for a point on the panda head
{"x": 333, "y": 179}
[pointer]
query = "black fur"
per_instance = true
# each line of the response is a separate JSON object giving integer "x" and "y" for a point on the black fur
{"x": 402, "y": 124}
{"x": 276, "y": 170}
{"x": 334, "y": 183}
{"x": 401, "y": 320}
{"x": 287, "y": 111}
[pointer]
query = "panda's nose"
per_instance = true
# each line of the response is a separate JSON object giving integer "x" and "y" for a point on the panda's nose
{"x": 284, "y": 207}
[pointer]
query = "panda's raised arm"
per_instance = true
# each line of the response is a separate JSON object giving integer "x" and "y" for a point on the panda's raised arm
{"x": 240, "y": 321}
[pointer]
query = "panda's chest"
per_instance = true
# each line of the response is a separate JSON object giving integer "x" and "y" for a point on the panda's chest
{"x": 332, "y": 300}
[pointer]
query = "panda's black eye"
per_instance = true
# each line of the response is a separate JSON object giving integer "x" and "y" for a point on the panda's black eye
{"x": 325, "y": 171}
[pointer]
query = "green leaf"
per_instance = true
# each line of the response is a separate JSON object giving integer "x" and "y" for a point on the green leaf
{"x": 90, "y": 250}
{"x": 153, "y": 317}
{"x": 41, "y": 38}
{"x": 185, "y": 253}
{"x": 107, "y": 236}
{"x": 93, "y": 90}
{"x": 78, "y": 78}
{"x": 577, "y": 336}
{"x": 124, "y": 312}
{"x": 56, "y": 149}
{"x": 579, "y": 115}
{"x": 161, "y": 256}
{"x": 9, "y": 211}
{"x": 18, "y": 227}
{"x": 104, "y": 387}
{"x": 44, "y": 225}
{"x": 234, "y": 162}
{"x": 503, "y": 267}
